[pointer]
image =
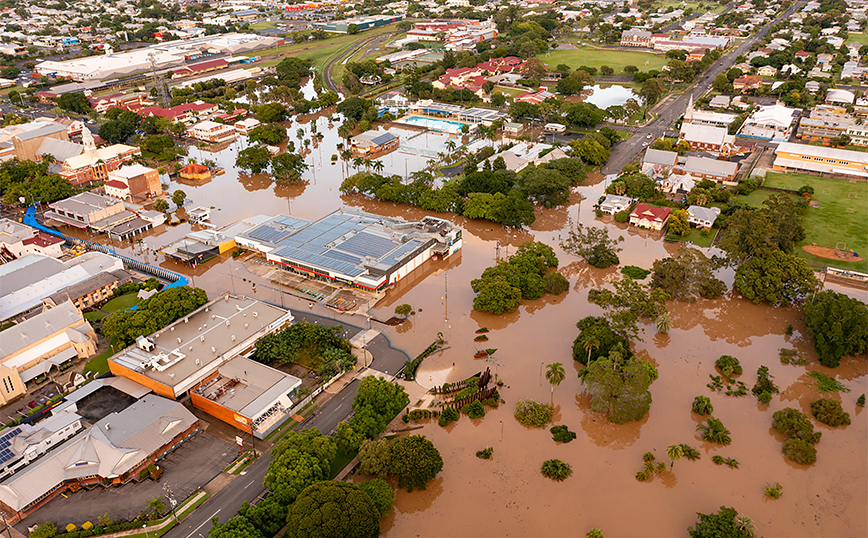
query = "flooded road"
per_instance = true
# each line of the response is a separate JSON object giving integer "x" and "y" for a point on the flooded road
{"x": 507, "y": 495}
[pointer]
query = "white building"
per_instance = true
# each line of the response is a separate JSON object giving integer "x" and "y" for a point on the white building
{"x": 20, "y": 240}
{"x": 211, "y": 131}
{"x": 613, "y": 203}
{"x": 702, "y": 217}
{"x": 773, "y": 122}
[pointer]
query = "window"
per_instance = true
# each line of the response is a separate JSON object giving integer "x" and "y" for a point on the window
{"x": 5, "y": 386}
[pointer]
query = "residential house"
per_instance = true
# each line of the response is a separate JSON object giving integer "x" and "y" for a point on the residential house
{"x": 702, "y": 217}
{"x": 767, "y": 71}
{"x": 195, "y": 172}
{"x": 705, "y": 168}
{"x": 658, "y": 163}
{"x": 707, "y": 138}
{"x": 649, "y": 217}
{"x": 825, "y": 61}
{"x": 613, "y": 204}
{"x": 246, "y": 125}
{"x": 747, "y": 82}
{"x": 17, "y": 240}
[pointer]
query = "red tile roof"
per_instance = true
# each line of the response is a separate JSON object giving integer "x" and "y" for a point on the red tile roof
{"x": 645, "y": 211}
{"x": 116, "y": 184}
{"x": 194, "y": 168}
{"x": 42, "y": 240}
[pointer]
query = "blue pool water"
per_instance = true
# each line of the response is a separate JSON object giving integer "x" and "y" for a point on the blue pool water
{"x": 435, "y": 124}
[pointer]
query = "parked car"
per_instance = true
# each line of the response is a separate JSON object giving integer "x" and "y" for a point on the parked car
{"x": 31, "y": 405}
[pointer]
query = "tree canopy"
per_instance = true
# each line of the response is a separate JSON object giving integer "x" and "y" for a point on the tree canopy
{"x": 726, "y": 523}
{"x": 619, "y": 386}
{"x": 31, "y": 181}
{"x": 333, "y": 509}
{"x": 838, "y": 326}
{"x": 596, "y": 340}
{"x": 377, "y": 402}
{"x": 593, "y": 245}
{"x": 775, "y": 277}
{"x": 153, "y": 314}
{"x": 236, "y": 527}
{"x": 629, "y": 303}
{"x": 502, "y": 287}
{"x": 298, "y": 460}
{"x": 415, "y": 461}
{"x": 326, "y": 350}
{"x": 757, "y": 232}
{"x": 687, "y": 275}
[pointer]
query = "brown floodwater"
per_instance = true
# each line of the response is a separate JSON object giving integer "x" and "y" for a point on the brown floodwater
{"x": 507, "y": 495}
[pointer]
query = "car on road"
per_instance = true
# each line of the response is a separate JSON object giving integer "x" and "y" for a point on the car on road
{"x": 648, "y": 135}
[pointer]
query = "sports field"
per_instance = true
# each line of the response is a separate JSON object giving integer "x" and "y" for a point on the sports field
{"x": 840, "y": 221}
{"x": 594, "y": 57}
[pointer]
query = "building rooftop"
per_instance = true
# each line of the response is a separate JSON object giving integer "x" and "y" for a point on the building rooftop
{"x": 12, "y": 232}
{"x": 819, "y": 151}
{"x": 190, "y": 349}
{"x": 42, "y": 131}
{"x": 128, "y": 171}
{"x": 43, "y": 325}
{"x": 704, "y": 165}
{"x": 657, "y": 156}
{"x": 247, "y": 387}
{"x": 85, "y": 203}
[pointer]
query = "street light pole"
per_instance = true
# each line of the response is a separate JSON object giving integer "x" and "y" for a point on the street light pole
{"x": 5, "y": 523}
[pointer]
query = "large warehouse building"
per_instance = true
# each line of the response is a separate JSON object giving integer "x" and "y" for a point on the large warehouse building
{"x": 175, "y": 359}
{"x": 172, "y": 54}
{"x": 366, "y": 251}
{"x": 362, "y": 23}
{"x": 804, "y": 158}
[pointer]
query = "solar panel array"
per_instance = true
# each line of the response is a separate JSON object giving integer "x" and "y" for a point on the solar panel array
{"x": 383, "y": 138}
{"x": 6, "y": 452}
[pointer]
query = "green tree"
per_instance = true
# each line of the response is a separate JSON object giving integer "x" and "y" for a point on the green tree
{"x": 593, "y": 245}
{"x": 556, "y": 470}
{"x": 178, "y": 197}
{"x": 777, "y": 278}
{"x": 663, "y": 323}
{"x": 702, "y": 405}
{"x": 687, "y": 275}
{"x": 153, "y": 314}
{"x": 74, "y": 102}
{"x": 629, "y": 303}
{"x": 333, "y": 509}
{"x": 236, "y": 527}
{"x": 375, "y": 457}
{"x": 533, "y": 414}
{"x": 298, "y": 460}
{"x": 597, "y": 339}
{"x": 726, "y": 523}
{"x": 353, "y": 29}
{"x": 678, "y": 224}
{"x": 254, "y": 159}
{"x": 403, "y": 310}
{"x": 674, "y": 452}
{"x": 44, "y": 530}
{"x": 161, "y": 205}
{"x": 757, "y": 232}
{"x": 829, "y": 412}
{"x": 619, "y": 387}
{"x": 651, "y": 91}
{"x": 555, "y": 374}
{"x": 381, "y": 493}
{"x": 268, "y": 133}
{"x": 415, "y": 461}
{"x": 590, "y": 150}
{"x": 714, "y": 431}
{"x": 267, "y": 516}
{"x": 288, "y": 167}
{"x": 377, "y": 402}
{"x": 156, "y": 506}
{"x": 838, "y": 326}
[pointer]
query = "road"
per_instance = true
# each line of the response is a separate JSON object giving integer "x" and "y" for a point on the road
{"x": 346, "y": 52}
{"x": 624, "y": 153}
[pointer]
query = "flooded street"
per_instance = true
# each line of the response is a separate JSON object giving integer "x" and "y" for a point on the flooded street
{"x": 507, "y": 494}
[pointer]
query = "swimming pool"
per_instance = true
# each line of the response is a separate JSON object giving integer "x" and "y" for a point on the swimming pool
{"x": 436, "y": 124}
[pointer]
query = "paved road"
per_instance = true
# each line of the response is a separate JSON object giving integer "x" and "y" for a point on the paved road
{"x": 626, "y": 151}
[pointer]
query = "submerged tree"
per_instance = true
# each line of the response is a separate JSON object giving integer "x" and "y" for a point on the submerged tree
{"x": 687, "y": 275}
{"x": 629, "y": 303}
{"x": 619, "y": 386}
{"x": 593, "y": 245}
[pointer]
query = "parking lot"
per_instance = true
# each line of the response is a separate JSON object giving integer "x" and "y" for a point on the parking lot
{"x": 187, "y": 468}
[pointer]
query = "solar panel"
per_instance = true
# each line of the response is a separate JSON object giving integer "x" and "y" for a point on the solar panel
{"x": 366, "y": 244}
{"x": 342, "y": 256}
{"x": 383, "y": 138}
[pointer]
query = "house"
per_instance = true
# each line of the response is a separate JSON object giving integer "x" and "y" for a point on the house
{"x": 534, "y": 98}
{"x": 513, "y": 129}
{"x": 47, "y": 341}
{"x": 211, "y": 131}
{"x": 650, "y": 217}
{"x": 25, "y": 443}
{"x": 719, "y": 101}
{"x": 94, "y": 164}
{"x": 824, "y": 60}
{"x": 707, "y": 138}
{"x": 17, "y": 240}
{"x": 658, "y": 163}
{"x": 705, "y": 168}
{"x": 195, "y": 172}
{"x": 636, "y": 38}
{"x": 766, "y": 71}
{"x": 373, "y": 142}
{"x": 613, "y": 203}
{"x": 702, "y": 217}
{"x": 772, "y": 122}
{"x": 812, "y": 86}
{"x": 747, "y": 82}
{"x": 393, "y": 99}
{"x": 843, "y": 97}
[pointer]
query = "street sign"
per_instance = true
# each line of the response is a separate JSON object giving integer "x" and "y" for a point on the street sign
{"x": 239, "y": 441}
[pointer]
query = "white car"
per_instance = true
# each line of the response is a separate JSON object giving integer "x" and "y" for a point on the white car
{"x": 648, "y": 135}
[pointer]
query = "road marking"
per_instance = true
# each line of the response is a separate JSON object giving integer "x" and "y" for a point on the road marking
{"x": 250, "y": 484}
{"x": 203, "y": 523}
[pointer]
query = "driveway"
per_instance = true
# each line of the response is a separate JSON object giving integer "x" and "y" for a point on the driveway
{"x": 186, "y": 469}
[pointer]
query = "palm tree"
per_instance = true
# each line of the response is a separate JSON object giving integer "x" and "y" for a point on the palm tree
{"x": 378, "y": 166}
{"x": 664, "y": 323}
{"x": 450, "y": 146}
{"x": 745, "y": 524}
{"x": 367, "y": 164}
{"x": 357, "y": 162}
{"x": 590, "y": 344}
{"x": 346, "y": 157}
{"x": 156, "y": 505}
{"x": 555, "y": 374}
{"x": 299, "y": 133}
{"x": 714, "y": 431}
{"x": 702, "y": 405}
{"x": 674, "y": 452}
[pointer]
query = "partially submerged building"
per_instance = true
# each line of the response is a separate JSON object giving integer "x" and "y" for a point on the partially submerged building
{"x": 353, "y": 248}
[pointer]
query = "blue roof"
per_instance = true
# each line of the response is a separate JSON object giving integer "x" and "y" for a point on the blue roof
{"x": 384, "y": 138}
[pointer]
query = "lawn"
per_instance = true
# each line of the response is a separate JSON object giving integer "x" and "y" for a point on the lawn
{"x": 692, "y": 5}
{"x": 858, "y": 38}
{"x": 121, "y": 303}
{"x": 838, "y": 222}
{"x": 594, "y": 57}
{"x": 262, "y": 25}
{"x": 698, "y": 238}
{"x": 96, "y": 315}
{"x": 99, "y": 364}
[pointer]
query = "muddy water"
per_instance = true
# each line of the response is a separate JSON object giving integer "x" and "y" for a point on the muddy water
{"x": 508, "y": 495}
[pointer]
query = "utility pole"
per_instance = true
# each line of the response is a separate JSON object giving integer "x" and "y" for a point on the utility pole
{"x": 172, "y": 501}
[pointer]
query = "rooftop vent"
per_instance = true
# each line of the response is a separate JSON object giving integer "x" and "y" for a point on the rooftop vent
{"x": 233, "y": 337}
{"x": 256, "y": 314}
{"x": 213, "y": 350}
{"x": 202, "y": 338}
{"x": 108, "y": 426}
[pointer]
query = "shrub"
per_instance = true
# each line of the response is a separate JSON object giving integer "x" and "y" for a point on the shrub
{"x": 861, "y": 401}
{"x": 556, "y": 470}
{"x": 636, "y": 273}
{"x": 562, "y": 434}
{"x": 789, "y": 330}
{"x": 791, "y": 356}
{"x": 534, "y": 414}
{"x": 556, "y": 283}
{"x": 718, "y": 459}
{"x": 728, "y": 366}
{"x": 732, "y": 463}
{"x": 829, "y": 412}
{"x": 448, "y": 416}
{"x": 702, "y": 405}
{"x": 595, "y": 533}
{"x": 485, "y": 453}
{"x": 689, "y": 453}
{"x": 44, "y": 530}
{"x": 714, "y": 431}
{"x": 795, "y": 424}
{"x": 764, "y": 387}
{"x": 474, "y": 409}
{"x": 622, "y": 216}
{"x": 774, "y": 492}
{"x": 800, "y": 451}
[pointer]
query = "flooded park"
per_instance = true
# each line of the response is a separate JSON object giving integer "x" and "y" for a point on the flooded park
{"x": 507, "y": 495}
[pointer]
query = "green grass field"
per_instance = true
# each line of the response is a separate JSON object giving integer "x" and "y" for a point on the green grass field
{"x": 594, "y": 57}
{"x": 858, "y": 38}
{"x": 99, "y": 364}
{"x": 839, "y": 222}
{"x": 691, "y": 5}
{"x": 120, "y": 303}
{"x": 698, "y": 238}
{"x": 262, "y": 25}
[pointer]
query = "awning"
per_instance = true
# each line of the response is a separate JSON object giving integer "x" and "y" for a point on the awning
{"x": 44, "y": 365}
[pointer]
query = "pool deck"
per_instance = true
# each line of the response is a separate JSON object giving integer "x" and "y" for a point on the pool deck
{"x": 434, "y": 124}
